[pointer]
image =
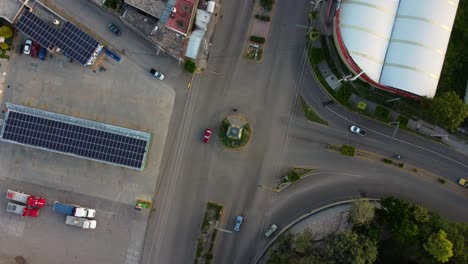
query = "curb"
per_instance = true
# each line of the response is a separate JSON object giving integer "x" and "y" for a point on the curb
{"x": 300, "y": 218}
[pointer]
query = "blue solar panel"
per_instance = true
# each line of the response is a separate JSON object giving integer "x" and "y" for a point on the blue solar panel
{"x": 69, "y": 38}
{"x": 72, "y": 139}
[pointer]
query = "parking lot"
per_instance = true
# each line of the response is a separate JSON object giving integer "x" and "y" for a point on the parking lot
{"x": 122, "y": 95}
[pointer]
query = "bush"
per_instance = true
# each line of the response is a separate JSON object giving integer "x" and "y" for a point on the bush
{"x": 388, "y": 161}
{"x": 112, "y": 3}
{"x": 401, "y": 165}
{"x": 257, "y": 39}
{"x": 267, "y": 4}
{"x": 442, "y": 181}
{"x": 3, "y": 46}
{"x": 382, "y": 113}
{"x": 293, "y": 176}
{"x": 190, "y": 66}
{"x": 6, "y": 32}
{"x": 347, "y": 150}
{"x": 262, "y": 17}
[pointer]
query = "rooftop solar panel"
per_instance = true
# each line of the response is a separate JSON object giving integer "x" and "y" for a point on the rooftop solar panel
{"x": 123, "y": 149}
{"x": 69, "y": 38}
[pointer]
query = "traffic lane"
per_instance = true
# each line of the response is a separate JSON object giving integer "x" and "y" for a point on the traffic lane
{"x": 137, "y": 48}
{"x": 309, "y": 132}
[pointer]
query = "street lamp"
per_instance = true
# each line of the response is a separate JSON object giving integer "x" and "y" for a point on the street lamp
{"x": 349, "y": 78}
{"x": 396, "y": 128}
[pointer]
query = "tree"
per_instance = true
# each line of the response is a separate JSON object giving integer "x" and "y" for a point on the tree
{"x": 349, "y": 247}
{"x": 362, "y": 212}
{"x": 313, "y": 15}
{"x": 314, "y": 34}
{"x": 267, "y": 4}
{"x": 6, "y": 32}
{"x": 447, "y": 110}
{"x": 421, "y": 215}
{"x": 303, "y": 241}
{"x": 439, "y": 246}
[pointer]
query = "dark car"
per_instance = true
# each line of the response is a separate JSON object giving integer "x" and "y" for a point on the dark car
{"x": 114, "y": 29}
{"x": 42, "y": 53}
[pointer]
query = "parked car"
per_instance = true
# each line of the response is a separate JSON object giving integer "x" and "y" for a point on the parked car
{"x": 463, "y": 182}
{"x": 114, "y": 29}
{"x": 27, "y": 47}
{"x": 157, "y": 74}
{"x": 238, "y": 224}
{"x": 271, "y": 230}
{"x": 42, "y": 53}
{"x": 207, "y": 135}
{"x": 357, "y": 130}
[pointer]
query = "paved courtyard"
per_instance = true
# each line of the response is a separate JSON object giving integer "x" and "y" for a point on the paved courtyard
{"x": 123, "y": 95}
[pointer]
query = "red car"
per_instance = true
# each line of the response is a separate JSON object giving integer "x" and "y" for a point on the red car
{"x": 207, "y": 136}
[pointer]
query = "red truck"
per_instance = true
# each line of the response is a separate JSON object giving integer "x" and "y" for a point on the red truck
{"x": 22, "y": 210}
{"x": 28, "y": 200}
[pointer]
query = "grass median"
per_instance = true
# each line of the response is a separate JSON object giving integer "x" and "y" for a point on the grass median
{"x": 310, "y": 114}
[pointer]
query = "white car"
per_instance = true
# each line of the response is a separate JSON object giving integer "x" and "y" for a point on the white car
{"x": 357, "y": 130}
{"x": 157, "y": 74}
{"x": 27, "y": 47}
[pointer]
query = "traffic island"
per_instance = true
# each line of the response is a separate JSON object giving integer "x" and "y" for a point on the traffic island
{"x": 235, "y": 131}
{"x": 259, "y": 29}
{"x": 208, "y": 233}
{"x": 293, "y": 175}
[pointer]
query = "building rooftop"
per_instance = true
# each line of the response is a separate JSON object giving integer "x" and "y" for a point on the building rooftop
{"x": 180, "y": 20}
{"x": 10, "y": 9}
{"x": 152, "y": 7}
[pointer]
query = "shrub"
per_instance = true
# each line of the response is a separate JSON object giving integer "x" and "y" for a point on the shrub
{"x": 442, "y": 181}
{"x": 3, "y": 46}
{"x": 262, "y": 17}
{"x": 388, "y": 161}
{"x": 257, "y": 39}
{"x": 382, "y": 113}
{"x": 401, "y": 165}
{"x": 112, "y": 3}
{"x": 6, "y": 32}
{"x": 347, "y": 150}
{"x": 267, "y": 4}
{"x": 190, "y": 66}
{"x": 293, "y": 176}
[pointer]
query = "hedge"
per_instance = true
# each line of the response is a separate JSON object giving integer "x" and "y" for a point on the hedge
{"x": 257, "y": 39}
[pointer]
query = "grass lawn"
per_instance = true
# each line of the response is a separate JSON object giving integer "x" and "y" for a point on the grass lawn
{"x": 310, "y": 114}
{"x": 382, "y": 113}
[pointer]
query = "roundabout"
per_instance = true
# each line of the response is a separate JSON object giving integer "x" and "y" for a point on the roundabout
{"x": 235, "y": 131}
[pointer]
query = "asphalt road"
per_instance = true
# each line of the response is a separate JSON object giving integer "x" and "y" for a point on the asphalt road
{"x": 194, "y": 173}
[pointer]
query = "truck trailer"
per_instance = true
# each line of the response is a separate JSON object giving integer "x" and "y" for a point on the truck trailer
{"x": 80, "y": 222}
{"x": 26, "y": 199}
{"x": 22, "y": 210}
{"x": 73, "y": 210}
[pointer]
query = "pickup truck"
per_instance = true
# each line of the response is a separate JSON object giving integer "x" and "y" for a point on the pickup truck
{"x": 22, "y": 210}
{"x": 80, "y": 222}
{"x": 27, "y": 199}
{"x": 73, "y": 210}
{"x": 157, "y": 74}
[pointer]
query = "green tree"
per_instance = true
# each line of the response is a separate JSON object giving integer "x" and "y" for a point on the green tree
{"x": 421, "y": 215}
{"x": 308, "y": 260}
{"x": 313, "y": 15}
{"x": 6, "y": 32}
{"x": 283, "y": 251}
{"x": 349, "y": 247}
{"x": 314, "y": 34}
{"x": 362, "y": 212}
{"x": 303, "y": 241}
{"x": 447, "y": 110}
{"x": 439, "y": 246}
{"x": 267, "y": 4}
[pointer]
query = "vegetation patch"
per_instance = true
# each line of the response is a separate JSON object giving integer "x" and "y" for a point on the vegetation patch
{"x": 382, "y": 113}
{"x": 257, "y": 39}
{"x": 190, "y": 66}
{"x": 267, "y": 4}
{"x": 262, "y": 17}
{"x": 396, "y": 231}
{"x": 233, "y": 143}
{"x": 254, "y": 54}
{"x": 347, "y": 150}
{"x": 292, "y": 176}
{"x": 113, "y": 4}
{"x": 208, "y": 232}
{"x": 388, "y": 161}
{"x": 362, "y": 105}
{"x": 309, "y": 112}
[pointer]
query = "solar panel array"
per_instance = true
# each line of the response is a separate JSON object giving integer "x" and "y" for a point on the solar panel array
{"x": 70, "y": 39}
{"x": 73, "y": 139}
